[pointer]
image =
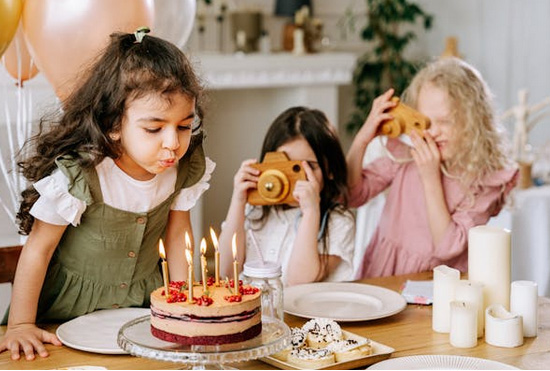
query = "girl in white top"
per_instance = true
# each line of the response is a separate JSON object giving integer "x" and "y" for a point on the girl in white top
{"x": 312, "y": 240}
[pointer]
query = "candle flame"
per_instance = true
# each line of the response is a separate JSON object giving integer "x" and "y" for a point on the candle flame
{"x": 203, "y": 246}
{"x": 162, "y": 253}
{"x": 188, "y": 256}
{"x": 234, "y": 246}
{"x": 187, "y": 241}
{"x": 214, "y": 239}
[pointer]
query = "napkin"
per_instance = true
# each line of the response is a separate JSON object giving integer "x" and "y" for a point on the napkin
{"x": 418, "y": 292}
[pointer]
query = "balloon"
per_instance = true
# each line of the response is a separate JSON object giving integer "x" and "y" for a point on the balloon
{"x": 18, "y": 61}
{"x": 174, "y": 20}
{"x": 64, "y": 36}
{"x": 10, "y": 13}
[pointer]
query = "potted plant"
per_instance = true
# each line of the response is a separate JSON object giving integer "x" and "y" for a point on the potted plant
{"x": 384, "y": 66}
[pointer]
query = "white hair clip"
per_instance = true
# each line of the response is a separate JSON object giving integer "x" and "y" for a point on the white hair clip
{"x": 140, "y": 33}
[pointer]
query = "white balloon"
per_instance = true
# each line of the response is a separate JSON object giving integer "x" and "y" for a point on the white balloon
{"x": 174, "y": 20}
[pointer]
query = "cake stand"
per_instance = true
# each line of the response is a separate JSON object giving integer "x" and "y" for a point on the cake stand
{"x": 135, "y": 337}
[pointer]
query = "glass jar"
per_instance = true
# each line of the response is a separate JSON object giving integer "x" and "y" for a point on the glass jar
{"x": 266, "y": 277}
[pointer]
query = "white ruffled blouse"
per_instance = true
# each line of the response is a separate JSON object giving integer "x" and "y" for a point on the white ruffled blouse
{"x": 57, "y": 206}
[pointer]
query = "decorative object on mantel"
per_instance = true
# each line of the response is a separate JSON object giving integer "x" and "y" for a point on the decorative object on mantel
{"x": 384, "y": 65}
{"x": 220, "y": 20}
{"x": 246, "y": 30}
{"x": 298, "y": 12}
{"x": 522, "y": 126}
{"x": 451, "y": 48}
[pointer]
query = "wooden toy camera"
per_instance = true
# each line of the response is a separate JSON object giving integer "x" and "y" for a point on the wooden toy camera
{"x": 405, "y": 119}
{"x": 277, "y": 179}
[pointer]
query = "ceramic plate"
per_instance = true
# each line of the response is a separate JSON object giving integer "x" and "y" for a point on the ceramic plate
{"x": 440, "y": 362}
{"x": 97, "y": 332}
{"x": 342, "y": 301}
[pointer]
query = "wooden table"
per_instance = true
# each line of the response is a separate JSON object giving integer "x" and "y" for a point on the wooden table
{"x": 409, "y": 333}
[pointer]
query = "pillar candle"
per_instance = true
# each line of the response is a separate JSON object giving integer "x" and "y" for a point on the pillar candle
{"x": 445, "y": 280}
{"x": 489, "y": 255}
{"x": 472, "y": 292}
{"x": 463, "y": 333}
{"x": 524, "y": 302}
{"x": 502, "y": 328}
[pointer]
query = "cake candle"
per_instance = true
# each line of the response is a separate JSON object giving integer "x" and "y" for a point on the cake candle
{"x": 216, "y": 255}
{"x": 235, "y": 264}
{"x": 189, "y": 258}
{"x": 164, "y": 266}
{"x": 203, "y": 265}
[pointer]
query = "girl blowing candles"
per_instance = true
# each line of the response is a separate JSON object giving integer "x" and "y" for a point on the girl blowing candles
{"x": 119, "y": 168}
{"x": 313, "y": 239}
{"x": 457, "y": 175}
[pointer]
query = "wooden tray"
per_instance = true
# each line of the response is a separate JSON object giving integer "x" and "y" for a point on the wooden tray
{"x": 379, "y": 353}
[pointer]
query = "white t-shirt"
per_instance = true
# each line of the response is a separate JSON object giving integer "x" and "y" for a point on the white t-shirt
{"x": 276, "y": 239}
{"x": 57, "y": 206}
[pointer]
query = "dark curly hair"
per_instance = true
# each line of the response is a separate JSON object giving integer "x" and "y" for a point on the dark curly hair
{"x": 125, "y": 70}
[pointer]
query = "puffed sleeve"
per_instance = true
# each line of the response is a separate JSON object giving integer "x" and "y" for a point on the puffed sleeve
{"x": 188, "y": 197}
{"x": 55, "y": 204}
{"x": 487, "y": 202}
{"x": 341, "y": 235}
{"x": 378, "y": 175}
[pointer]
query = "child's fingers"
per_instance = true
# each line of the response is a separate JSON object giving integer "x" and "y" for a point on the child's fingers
{"x": 309, "y": 173}
{"x": 431, "y": 145}
{"x": 28, "y": 349}
{"x": 39, "y": 347}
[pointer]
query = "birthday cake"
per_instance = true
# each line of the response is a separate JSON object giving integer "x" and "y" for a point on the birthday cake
{"x": 217, "y": 316}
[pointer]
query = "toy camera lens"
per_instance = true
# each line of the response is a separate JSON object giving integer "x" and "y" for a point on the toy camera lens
{"x": 296, "y": 168}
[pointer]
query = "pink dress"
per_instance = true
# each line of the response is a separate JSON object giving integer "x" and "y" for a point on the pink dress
{"x": 402, "y": 242}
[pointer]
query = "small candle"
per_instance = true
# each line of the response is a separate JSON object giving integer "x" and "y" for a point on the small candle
{"x": 472, "y": 292}
{"x": 463, "y": 332}
{"x": 235, "y": 264}
{"x": 203, "y": 265}
{"x": 189, "y": 258}
{"x": 216, "y": 255}
{"x": 164, "y": 266}
{"x": 445, "y": 281}
{"x": 524, "y": 302}
{"x": 489, "y": 257}
{"x": 502, "y": 328}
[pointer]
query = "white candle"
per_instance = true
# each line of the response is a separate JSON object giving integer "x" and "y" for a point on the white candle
{"x": 502, "y": 328}
{"x": 489, "y": 255}
{"x": 463, "y": 332}
{"x": 472, "y": 292}
{"x": 524, "y": 302}
{"x": 445, "y": 280}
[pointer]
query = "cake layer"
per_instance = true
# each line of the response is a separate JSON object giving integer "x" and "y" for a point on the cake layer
{"x": 208, "y": 340}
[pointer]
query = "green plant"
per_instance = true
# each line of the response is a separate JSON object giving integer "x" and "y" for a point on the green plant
{"x": 384, "y": 66}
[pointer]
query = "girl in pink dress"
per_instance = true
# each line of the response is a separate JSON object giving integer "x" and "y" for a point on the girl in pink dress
{"x": 453, "y": 178}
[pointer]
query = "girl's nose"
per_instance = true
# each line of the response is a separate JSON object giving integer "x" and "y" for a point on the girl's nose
{"x": 434, "y": 129}
{"x": 171, "y": 140}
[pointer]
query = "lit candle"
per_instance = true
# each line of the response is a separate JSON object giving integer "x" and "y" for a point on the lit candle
{"x": 189, "y": 258}
{"x": 164, "y": 266}
{"x": 463, "y": 333}
{"x": 524, "y": 301}
{"x": 445, "y": 281}
{"x": 216, "y": 255}
{"x": 472, "y": 292}
{"x": 235, "y": 264}
{"x": 203, "y": 265}
{"x": 502, "y": 328}
{"x": 489, "y": 257}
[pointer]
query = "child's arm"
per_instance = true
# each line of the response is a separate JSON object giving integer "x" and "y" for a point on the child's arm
{"x": 179, "y": 222}
{"x": 428, "y": 159}
{"x": 245, "y": 179}
{"x": 365, "y": 135}
{"x": 22, "y": 333}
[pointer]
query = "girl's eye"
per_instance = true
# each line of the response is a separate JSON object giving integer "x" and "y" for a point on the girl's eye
{"x": 184, "y": 127}
{"x": 152, "y": 131}
{"x": 313, "y": 164}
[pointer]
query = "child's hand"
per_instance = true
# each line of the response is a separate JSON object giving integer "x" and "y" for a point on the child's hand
{"x": 426, "y": 155}
{"x": 377, "y": 115}
{"x": 245, "y": 179}
{"x": 27, "y": 338}
{"x": 307, "y": 192}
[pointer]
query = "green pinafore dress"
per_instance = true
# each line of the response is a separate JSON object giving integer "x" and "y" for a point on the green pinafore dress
{"x": 110, "y": 259}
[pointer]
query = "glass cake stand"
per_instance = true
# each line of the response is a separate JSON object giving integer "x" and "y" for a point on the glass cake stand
{"x": 135, "y": 337}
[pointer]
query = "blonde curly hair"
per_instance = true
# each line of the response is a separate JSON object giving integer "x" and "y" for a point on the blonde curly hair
{"x": 481, "y": 146}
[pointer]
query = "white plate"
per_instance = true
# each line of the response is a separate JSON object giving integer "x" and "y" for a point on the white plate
{"x": 97, "y": 332}
{"x": 440, "y": 362}
{"x": 342, "y": 301}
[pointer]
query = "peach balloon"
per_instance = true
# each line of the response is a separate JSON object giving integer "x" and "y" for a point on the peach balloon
{"x": 64, "y": 36}
{"x": 10, "y": 13}
{"x": 17, "y": 59}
